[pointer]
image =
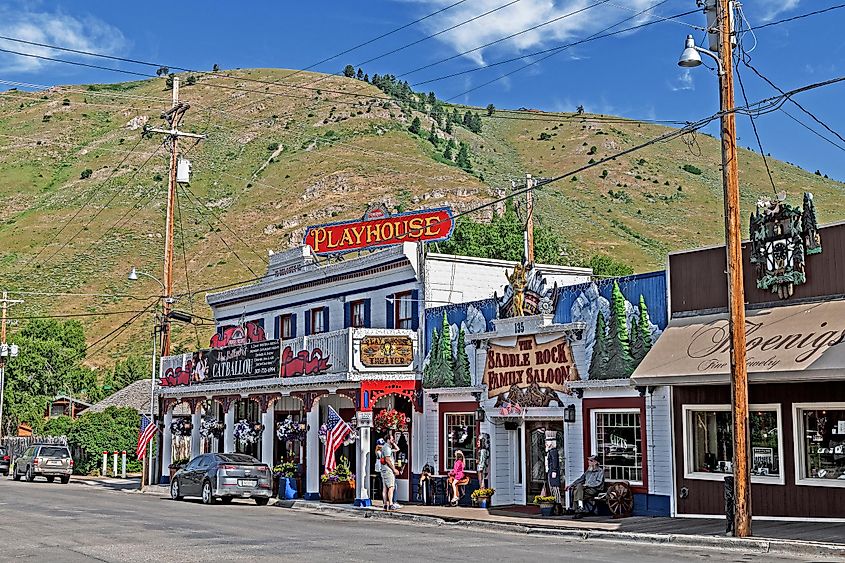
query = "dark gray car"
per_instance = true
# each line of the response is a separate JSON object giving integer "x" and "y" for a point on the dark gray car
{"x": 4, "y": 461}
{"x": 223, "y": 476}
{"x": 44, "y": 460}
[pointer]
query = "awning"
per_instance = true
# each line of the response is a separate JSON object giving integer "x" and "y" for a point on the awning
{"x": 789, "y": 343}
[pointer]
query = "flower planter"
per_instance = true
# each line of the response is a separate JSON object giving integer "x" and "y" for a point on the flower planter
{"x": 337, "y": 491}
{"x": 483, "y": 502}
{"x": 546, "y": 509}
{"x": 173, "y": 469}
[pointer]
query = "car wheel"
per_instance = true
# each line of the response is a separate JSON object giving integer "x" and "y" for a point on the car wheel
{"x": 15, "y": 475}
{"x": 29, "y": 476}
{"x": 207, "y": 496}
{"x": 65, "y": 479}
{"x": 50, "y": 479}
{"x": 262, "y": 501}
{"x": 174, "y": 490}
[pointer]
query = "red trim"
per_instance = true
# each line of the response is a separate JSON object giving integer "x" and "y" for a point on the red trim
{"x": 589, "y": 405}
{"x": 372, "y": 390}
{"x": 456, "y": 407}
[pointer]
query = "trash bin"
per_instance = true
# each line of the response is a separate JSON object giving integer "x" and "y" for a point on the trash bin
{"x": 729, "y": 503}
{"x": 287, "y": 488}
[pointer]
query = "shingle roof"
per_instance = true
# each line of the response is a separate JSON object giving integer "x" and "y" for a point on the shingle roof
{"x": 135, "y": 395}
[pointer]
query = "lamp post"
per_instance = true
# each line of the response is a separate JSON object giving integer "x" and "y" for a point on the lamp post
{"x": 719, "y": 13}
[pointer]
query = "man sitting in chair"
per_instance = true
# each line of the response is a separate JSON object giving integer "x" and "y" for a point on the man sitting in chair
{"x": 588, "y": 486}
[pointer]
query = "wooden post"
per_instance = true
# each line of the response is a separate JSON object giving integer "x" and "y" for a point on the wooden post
{"x": 169, "y": 226}
{"x": 529, "y": 226}
{"x": 736, "y": 290}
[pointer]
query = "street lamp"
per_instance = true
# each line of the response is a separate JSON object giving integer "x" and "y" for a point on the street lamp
{"x": 721, "y": 30}
{"x": 134, "y": 273}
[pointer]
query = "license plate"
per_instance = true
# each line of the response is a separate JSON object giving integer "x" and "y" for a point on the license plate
{"x": 54, "y": 463}
{"x": 247, "y": 482}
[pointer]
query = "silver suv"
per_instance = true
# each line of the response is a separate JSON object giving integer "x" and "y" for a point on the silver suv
{"x": 45, "y": 460}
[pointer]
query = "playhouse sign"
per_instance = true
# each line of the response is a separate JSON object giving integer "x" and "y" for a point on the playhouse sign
{"x": 549, "y": 365}
{"x": 378, "y": 228}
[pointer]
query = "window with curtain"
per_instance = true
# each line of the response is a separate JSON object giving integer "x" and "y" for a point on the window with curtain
{"x": 404, "y": 310}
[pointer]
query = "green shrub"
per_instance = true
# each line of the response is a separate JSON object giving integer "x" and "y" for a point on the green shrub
{"x": 85, "y": 174}
{"x": 691, "y": 169}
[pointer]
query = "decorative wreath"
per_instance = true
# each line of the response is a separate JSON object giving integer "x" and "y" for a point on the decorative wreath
{"x": 211, "y": 428}
{"x": 248, "y": 432}
{"x": 181, "y": 427}
{"x": 390, "y": 420}
{"x": 289, "y": 430}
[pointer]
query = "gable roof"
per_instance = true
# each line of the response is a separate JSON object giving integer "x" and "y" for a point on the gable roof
{"x": 135, "y": 395}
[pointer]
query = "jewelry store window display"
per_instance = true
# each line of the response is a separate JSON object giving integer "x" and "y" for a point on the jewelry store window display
{"x": 822, "y": 443}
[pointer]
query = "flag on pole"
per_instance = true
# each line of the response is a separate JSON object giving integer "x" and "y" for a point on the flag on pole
{"x": 336, "y": 431}
{"x": 145, "y": 435}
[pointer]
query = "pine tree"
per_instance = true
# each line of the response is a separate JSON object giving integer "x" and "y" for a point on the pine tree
{"x": 366, "y": 77}
{"x": 462, "y": 372}
{"x": 449, "y": 129}
{"x": 644, "y": 328}
{"x": 598, "y": 364}
{"x": 620, "y": 364}
{"x": 490, "y": 109}
{"x": 447, "y": 152}
{"x": 415, "y": 126}
{"x": 432, "y": 100}
{"x": 432, "y": 371}
{"x": 456, "y": 117}
{"x": 349, "y": 71}
{"x": 432, "y": 136}
{"x": 463, "y": 157}
{"x": 467, "y": 119}
{"x": 637, "y": 347}
{"x": 360, "y": 75}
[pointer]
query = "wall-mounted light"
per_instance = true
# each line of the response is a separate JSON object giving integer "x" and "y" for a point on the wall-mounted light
{"x": 480, "y": 415}
{"x": 569, "y": 414}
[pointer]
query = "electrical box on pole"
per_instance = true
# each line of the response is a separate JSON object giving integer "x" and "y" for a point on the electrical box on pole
{"x": 711, "y": 10}
{"x": 183, "y": 171}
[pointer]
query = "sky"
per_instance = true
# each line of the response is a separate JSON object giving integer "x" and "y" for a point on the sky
{"x": 632, "y": 74}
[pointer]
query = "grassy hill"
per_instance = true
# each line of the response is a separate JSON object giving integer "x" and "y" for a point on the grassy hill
{"x": 277, "y": 159}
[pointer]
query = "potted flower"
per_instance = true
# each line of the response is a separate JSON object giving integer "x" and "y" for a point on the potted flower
{"x": 247, "y": 432}
{"x": 211, "y": 427}
{"x": 284, "y": 475}
{"x": 181, "y": 427}
{"x": 176, "y": 465}
{"x": 390, "y": 419}
{"x": 338, "y": 485}
{"x": 289, "y": 430}
{"x": 546, "y": 504}
{"x": 481, "y": 497}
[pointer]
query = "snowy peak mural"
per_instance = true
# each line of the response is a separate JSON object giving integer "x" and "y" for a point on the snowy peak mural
{"x": 618, "y": 334}
{"x": 448, "y": 363}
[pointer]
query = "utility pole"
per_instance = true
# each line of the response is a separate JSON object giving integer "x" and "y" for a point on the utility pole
{"x": 529, "y": 224}
{"x": 5, "y": 351}
{"x": 173, "y": 117}
{"x": 736, "y": 289}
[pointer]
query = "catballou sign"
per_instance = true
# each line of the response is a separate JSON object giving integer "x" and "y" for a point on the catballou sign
{"x": 431, "y": 225}
{"x": 549, "y": 365}
{"x": 252, "y": 360}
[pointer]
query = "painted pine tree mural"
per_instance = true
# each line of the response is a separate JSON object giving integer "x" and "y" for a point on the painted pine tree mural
{"x": 462, "y": 373}
{"x": 619, "y": 361}
{"x": 598, "y": 364}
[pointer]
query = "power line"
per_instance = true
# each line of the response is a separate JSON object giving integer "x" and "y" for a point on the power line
{"x": 799, "y": 17}
{"x": 185, "y": 261}
{"x": 811, "y": 130}
{"x": 74, "y": 315}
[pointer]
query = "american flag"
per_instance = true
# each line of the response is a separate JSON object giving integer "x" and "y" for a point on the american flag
{"x": 337, "y": 431}
{"x": 509, "y": 409}
{"x": 145, "y": 434}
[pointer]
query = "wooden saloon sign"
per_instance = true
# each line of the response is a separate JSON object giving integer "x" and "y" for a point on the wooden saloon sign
{"x": 387, "y": 351}
{"x": 379, "y": 228}
{"x": 529, "y": 373}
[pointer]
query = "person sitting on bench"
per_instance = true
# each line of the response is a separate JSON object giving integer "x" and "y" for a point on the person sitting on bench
{"x": 588, "y": 486}
{"x": 457, "y": 478}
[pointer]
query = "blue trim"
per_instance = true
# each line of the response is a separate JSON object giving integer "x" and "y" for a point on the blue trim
{"x": 362, "y": 502}
{"x": 448, "y": 211}
{"x": 367, "y": 317}
{"x": 327, "y": 327}
{"x": 415, "y": 309}
{"x": 390, "y": 310}
{"x": 293, "y": 325}
{"x": 347, "y": 314}
{"x": 277, "y": 327}
{"x": 307, "y": 323}
{"x": 651, "y": 505}
{"x": 288, "y": 306}
{"x": 311, "y": 496}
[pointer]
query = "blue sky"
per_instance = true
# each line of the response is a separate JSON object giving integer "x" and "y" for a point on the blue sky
{"x": 632, "y": 74}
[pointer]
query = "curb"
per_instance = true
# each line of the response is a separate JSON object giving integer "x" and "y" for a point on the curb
{"x": 754, "y": 545}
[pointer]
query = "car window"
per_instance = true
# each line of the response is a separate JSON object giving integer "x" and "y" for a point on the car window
{"x": 194, "y": 463}
{"x": 205, "y": 461}
{"x": 28, "y": 452}
{"x": 54, "y": 451}
{"x": 238, "y": 458}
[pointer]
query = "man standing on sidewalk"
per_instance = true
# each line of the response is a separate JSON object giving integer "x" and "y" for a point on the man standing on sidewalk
{"x": 389, "y": 471}
{"x": 588, "y": 486}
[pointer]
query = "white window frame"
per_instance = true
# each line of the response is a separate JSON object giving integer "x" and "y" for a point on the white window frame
{"x": 798, "y": 444}
{"x": 446, "y": 466}
{"x": 688, "y": 409}
{"x": 594, "y": 442}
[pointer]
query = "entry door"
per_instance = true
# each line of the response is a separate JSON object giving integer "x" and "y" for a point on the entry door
{"x": 535, "y": 470}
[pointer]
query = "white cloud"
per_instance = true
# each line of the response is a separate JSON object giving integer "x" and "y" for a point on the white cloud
{"x": 85, "y": 33}
{"x": 523, "y": 15}
{"x": 770, "y": 9}
{"x": 683, "y": 82}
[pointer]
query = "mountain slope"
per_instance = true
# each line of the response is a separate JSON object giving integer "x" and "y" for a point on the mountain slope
{"x": 276, "y": 160}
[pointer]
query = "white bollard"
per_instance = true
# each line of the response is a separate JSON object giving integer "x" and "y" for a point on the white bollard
{"x": 114, "y": 465}
{"x": 124, "y": 465}
{"x": 105, "y": 463}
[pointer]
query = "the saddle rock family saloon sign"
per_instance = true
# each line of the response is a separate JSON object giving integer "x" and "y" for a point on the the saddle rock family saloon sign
{"x": 378, "y": 228}
{"x": 529, "y": 365}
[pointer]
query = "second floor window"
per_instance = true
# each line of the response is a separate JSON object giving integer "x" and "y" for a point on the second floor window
{"x": 403, "y": 310}
{"x": 318, "y": 320}
{"x": 357, "y": 314}
{"x": 286, "y": 327}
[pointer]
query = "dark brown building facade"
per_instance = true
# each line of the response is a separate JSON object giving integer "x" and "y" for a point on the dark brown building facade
{"x": 796, "y": 364}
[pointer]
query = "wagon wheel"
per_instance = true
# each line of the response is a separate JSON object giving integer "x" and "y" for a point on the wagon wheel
{"x": 620, "y": 501}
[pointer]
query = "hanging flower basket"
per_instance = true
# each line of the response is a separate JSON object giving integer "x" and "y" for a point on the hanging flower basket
{"x": 211, "y": 428}
{"x": 181, "y": 427}
{"x": 248, "y": 432}
{"x": 289, "y": 430}
{"x": 390, "y": 420}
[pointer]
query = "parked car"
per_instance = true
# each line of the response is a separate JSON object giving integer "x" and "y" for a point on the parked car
{"x": 4, "y": 461}
{"x": 44, "y": 460}
{"x": 223, "y": 476}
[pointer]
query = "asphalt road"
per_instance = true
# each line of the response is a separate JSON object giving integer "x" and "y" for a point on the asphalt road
{"x": 76, "y": 522}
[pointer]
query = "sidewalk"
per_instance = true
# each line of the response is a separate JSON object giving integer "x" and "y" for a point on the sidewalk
{"x": 796, "y": 538}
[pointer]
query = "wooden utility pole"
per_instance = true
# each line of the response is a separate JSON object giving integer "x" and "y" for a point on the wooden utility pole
{"x": 5, "y": 303}
{"x": 736, "y": 289}
{"x": 173, "y": 117}
{"x": 529, "y": 224}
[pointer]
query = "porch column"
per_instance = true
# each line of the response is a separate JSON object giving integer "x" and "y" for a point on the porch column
{"x": 229, "y": 431}
{"x": 166, "y": 447}
{"x": 196, "y": 437}
{"x": 417, "y": 446}
{"x": 312, "y": 454}
{"x": 267, "y": 436}
{"x": 362, "y": 484}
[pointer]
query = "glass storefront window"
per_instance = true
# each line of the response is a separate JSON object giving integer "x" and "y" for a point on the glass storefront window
{"x": 709, "y": 441}
{"x": 822, "y": 442}
{"x": 460, "y": 435}
{"x": 617, "y": 441}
